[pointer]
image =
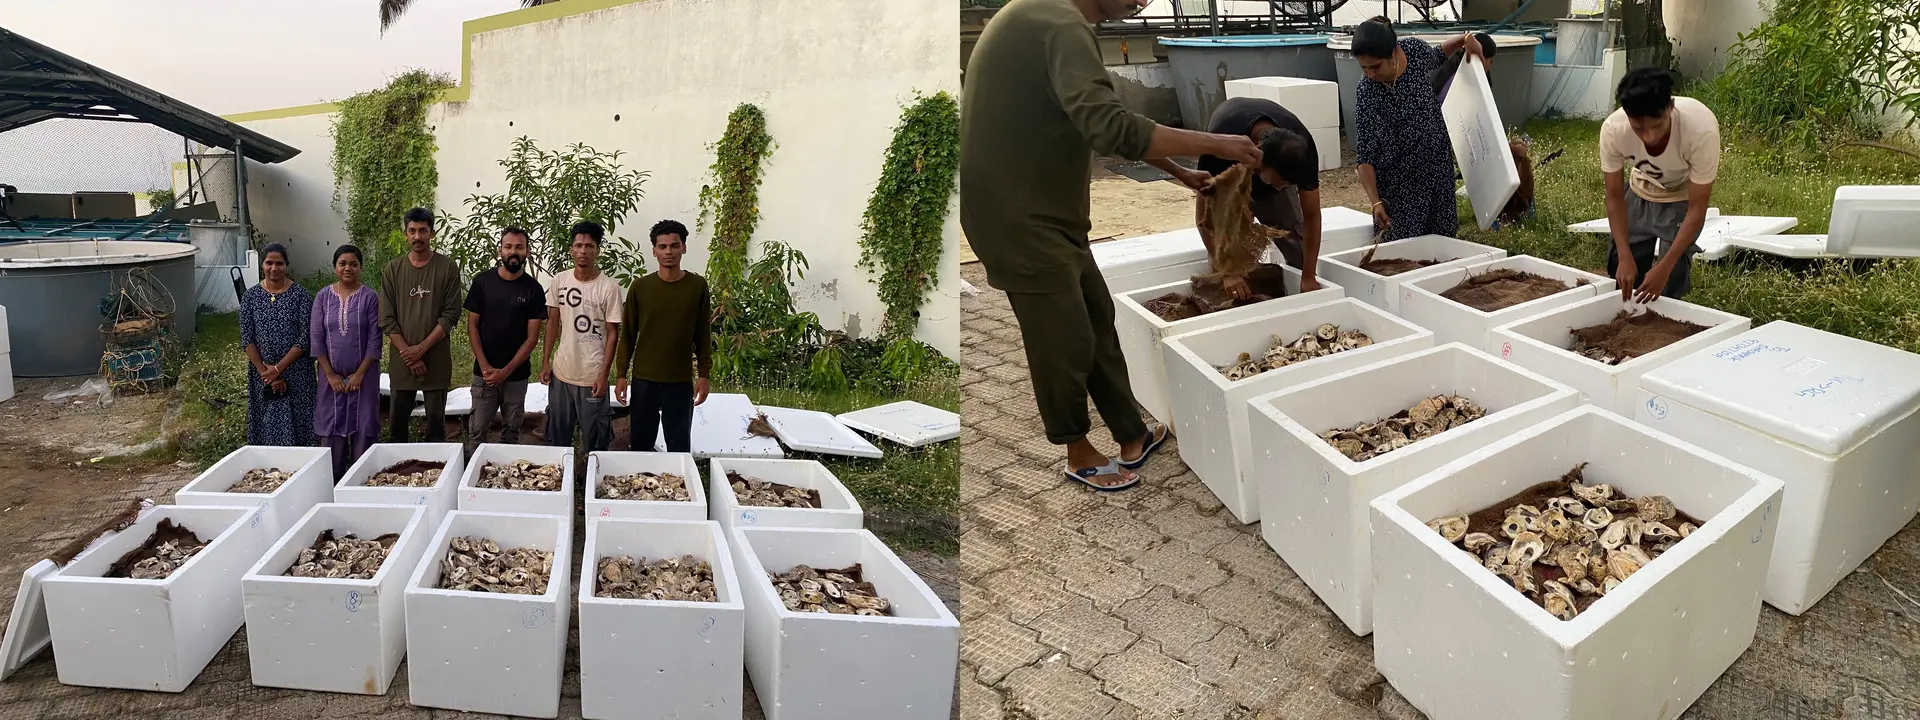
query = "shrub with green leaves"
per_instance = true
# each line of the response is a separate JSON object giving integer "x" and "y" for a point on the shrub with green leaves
{"x": 547, "y": 192}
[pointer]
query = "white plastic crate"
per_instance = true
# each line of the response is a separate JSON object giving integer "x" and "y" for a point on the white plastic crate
{"x": 1444, "y": 625}
{"x": 1344, "y": 228}
{"x": 819, "y": 666}
{"x": 1210, "y": 412}
{"x": 660, "y": 658}
{"x": 333, "y": 634}
{"x": 1315, "y": 102}
{"x": 838, "y": 508}
{"x": 1540, "y": 343}
{"x": 1141, "y": 331}
{"x": 490, "y": 652}
{"x": 152, "y": 634}
{"x": 438, "y": 499}
{"x": 1326, "y": 143}
{"x": 538, "y": 502}
{"x": 311, "y": 484}
{"x": 604, "y": 463}
{"x": 1313, "y": 500}
{"x": 1383, "y": 291}
{"x": 1831, "y": 416}
{"x": 1421, "y": 303}
{"x": 1117, "y": 258}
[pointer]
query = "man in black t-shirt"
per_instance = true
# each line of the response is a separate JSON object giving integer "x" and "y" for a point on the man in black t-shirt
{"x": 505, "y": 307}
{"x": 1286, "y": 193}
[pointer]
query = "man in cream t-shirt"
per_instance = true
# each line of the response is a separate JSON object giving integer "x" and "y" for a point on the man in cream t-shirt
{"x": 1671, "y": 148}
{"x": 583, "y": 322}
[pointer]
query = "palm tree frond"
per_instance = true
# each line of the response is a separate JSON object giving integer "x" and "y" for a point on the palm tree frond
{"x": 390, "y": 11}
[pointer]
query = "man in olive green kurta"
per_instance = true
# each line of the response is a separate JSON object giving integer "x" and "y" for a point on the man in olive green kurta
{"x": 666, "y": 344}
{"x": 419, "y": 308}
{"x": 1037, "y": 103}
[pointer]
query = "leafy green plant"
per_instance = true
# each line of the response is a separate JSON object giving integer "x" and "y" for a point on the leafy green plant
{"x": 730, "y": 201}
{"x": 547, "y": 192}
{"x": 901, "y": 232}
{"x": 161, "y": 199}
{"x": 383, "y": 158}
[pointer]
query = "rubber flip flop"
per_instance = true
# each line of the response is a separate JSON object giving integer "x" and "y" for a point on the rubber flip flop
{"x": 1157, "y": 437}
{"x": 1085, "y": 476}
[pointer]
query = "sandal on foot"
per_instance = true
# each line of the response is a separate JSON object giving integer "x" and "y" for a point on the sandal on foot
{"x": 1085, "y": 476}
{"x": 1156, "y": 436}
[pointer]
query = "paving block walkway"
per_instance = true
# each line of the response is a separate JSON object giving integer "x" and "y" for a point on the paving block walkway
{"x": 1155, "y": 603}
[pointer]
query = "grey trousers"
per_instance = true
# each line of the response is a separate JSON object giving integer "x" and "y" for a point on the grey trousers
{"x": 570, "y": 405}
{"x": 508, "y": 400}
{"x": 1651, "y": 227}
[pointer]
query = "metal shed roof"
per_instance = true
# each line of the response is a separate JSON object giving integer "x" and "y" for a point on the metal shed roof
{"x": 40, "y": 83}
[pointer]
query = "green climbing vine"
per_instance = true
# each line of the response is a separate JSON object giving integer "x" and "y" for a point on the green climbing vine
{"x": 902, "y": 230}
{"x": 730, "y": 201}
{"x": 383, "y": 157}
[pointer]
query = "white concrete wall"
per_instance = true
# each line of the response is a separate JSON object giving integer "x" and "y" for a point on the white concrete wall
{"x": 672, "y": 70}
{"x": 1704, "y": 30}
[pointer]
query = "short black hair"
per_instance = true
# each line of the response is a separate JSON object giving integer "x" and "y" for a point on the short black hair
{"x": 353, "y": 250}
{"x": 1646, "y": 92}
{"x": 515, "y": 230}
{"x": 418, "y": 215}
{"x": 667, "y": 227}
{"x": 588, "y": 228}
{"x": 1375, "y": 39}
{"x": 1289, "y": 154}
{"x": 272, "y": 248}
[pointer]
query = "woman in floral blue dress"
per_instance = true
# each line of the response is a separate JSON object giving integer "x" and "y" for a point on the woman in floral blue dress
{"x": 280, "y": 379}
{"x": 1400, "y": 142}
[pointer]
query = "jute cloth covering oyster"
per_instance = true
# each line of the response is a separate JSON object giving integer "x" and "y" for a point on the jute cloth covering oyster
{"x": 1238, "y": 241}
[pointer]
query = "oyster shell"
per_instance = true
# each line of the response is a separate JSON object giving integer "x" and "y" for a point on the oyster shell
{"x": 1368, "y": 440}
{"x": 760, "y": 493}
{"x": 480, "y": 565}
{"x": 346, "y": 556}
{"x": 408, "y": 473}
{"x": 1592, "y": 494}
{"x": 521, "y": 475}
{"x": 685, "y": 579}
{"x": 839, "y": 592}
{"x": 1452, "y": 528}
{"x": 1572, "y": 560}
{"x": 1476, "y": 542}
{"x": 1325, "y": 340}
{"x": 169, "y": 547}
{"x": 1654, "y": 508}
{"x": 261, "y": 480}
{"x": 645, "y": 486}
{"x": 1527, "y": 548}
{"x": 1598, "y": 518}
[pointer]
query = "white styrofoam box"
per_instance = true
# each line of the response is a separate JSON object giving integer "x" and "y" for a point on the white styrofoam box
{"x": 1875, "y": 221}
{"x": 1315, "y": 102}
{"x": 490, "y": 652}
{"x": 1540, "y": 343}
{"x": 6, "y": 345}
{"x": 1721, "y": 233}
{"x": 1116, "y": 258}
{"x": 333, "y": 634}
{"x": 27, "y": 634}
{"x": 603, "y": 463}
{"x": 1210, "y": 412}
{"x": 660, "y": 658}
{"x": 1344, "y": 228}
{"x": 1421, "y": 303}
{"x": 539, "y": 502}
{"x": 1326, "y": 141}
{"x": 152, "y": 634}
{"x": 1479, "y": 142}
{"x": 817, "y": 432}
{"x": 838, "y": 507}
{"x": 459, "y": 403}
{"x": 1444, "y": 625}
{"x": 6, "y": 376}
{"x": 1141, "y": 331}
{"x": 1383, "y": 291}
{"x": 1831, "y": 416}
{"x": 438, "y": 499}
{"x": 910, "y": 423}
{"x": 1313, "y": 500}
{"x": 311, "y": 484}
{"x": 720, "y": 430}
{"x": 1157, "y": 276}
{"x": 808, "y": 666}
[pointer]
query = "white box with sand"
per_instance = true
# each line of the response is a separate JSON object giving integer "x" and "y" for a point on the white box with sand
{"x": 539, "y": 502}
{"x": 438, "y": 498}
{"x": 310, "y": 484}
{"x": 1421, "y": 301}
{"x": 838, "y": 507}
{"x": 603, "y": 464}
{"x": 1383, "y": 291}
{"x": 1541, "y": 343}
{"x": 644, "y": 659}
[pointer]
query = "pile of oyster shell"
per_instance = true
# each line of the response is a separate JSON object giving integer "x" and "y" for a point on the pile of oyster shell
{"x": 408, "y": 473}
{"x": 520, "y": 475}
{"x": 645, "y": 486}
{"x": 1323, "y": 341}
{"x": 1431, "y": 416}
{"x": 480, "y": 565}
{"x": 1577, "y": 548}
{"x": 347, "y": 557}
{"x": 840, "y": 592}
{"x": 683, "y": 578}
{"x": 158, "y": 557}
{"x": 761, "y": 493}
{"x": 261, "y": 480}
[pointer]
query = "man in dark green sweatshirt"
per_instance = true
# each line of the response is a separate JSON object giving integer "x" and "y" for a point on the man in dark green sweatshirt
{"x": 666, "y": 344}
{"x": 1036, "y": 105}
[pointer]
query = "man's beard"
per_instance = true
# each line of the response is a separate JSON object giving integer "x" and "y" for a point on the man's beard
{"x": 512, "y": 263}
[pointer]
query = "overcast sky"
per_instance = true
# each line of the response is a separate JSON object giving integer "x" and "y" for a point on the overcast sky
{"x": 231, "y": 56}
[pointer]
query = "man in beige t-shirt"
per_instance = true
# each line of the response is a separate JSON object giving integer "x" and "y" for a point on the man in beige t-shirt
{"x": 1671, "y": 145}
{"x": 583, "y": 322}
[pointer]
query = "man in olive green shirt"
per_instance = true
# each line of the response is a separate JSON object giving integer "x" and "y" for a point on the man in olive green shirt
{"x": 419, "y": 307}
{"x": 1038, "y": 102}
{"x": 666, "y": 344}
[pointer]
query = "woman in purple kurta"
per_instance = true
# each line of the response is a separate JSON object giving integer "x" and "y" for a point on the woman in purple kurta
{"x": 346, "y": 341}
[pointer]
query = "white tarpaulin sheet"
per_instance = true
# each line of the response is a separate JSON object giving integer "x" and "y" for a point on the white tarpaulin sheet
{"x": 1479, "y": 142}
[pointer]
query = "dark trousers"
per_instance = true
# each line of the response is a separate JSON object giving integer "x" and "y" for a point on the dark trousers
{"x": 570, "y": 405}
{"x": 508, "y": 400}
{"x": 1073, "y": 353}
{"x": 400, "y": 421}
{"x": 658, "y": 406}
{"x": 346, "y": 451}
{"x": 1651, "y": 227}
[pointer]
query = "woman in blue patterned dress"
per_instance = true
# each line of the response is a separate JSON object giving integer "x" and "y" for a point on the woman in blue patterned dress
{"x": 1400, "y": 141}
{"x": 280, "y": 379}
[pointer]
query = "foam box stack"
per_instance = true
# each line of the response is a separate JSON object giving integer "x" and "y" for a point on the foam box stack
{"x": 820, "y": 666}
{"x": 1315, "y": 102}
{"x": 333, "y": 634}
{"x": 1445, "y": 627}
{"x": 1831, "y": 416}
{"x": 438, "y": 499}
{"x": 1344, "y": 228}
{"x": 1141, "y": 331}
{"x": 490, "y": 652}
{"x": 152, "y": 634}
{"x": 311, "y": 484}
{"x": 6, "y": 359}
{"x": 1210, "y": 411}
{"x": 539, "y": 502}
{"x": 1540, "y": 343}
{"x": 1421, "y": 302}
{"x": 838, "y": 508}
{"x": 1383, "y": 291}
{"x": 604, "y": 463}
{"x": 1313, "y": 500}
{"x": 1127, "y": 263}
{"x": 660, "y": 658}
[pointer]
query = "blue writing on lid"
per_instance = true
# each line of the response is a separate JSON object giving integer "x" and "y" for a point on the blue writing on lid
{"x": 1829, "y": 384}
{"x": 1746, "y": 349}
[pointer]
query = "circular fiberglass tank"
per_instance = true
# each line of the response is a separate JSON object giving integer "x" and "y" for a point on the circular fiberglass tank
{"x": 52, "y": 292}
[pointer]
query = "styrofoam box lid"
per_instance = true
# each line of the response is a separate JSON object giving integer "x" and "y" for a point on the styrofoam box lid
{"x": 907, "y": 422}
{"x": 27, "y": 630}
{"x": 1148, "y": 251}
{"x": 1823, "y": 391}
{"x": 817, "y": 432}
